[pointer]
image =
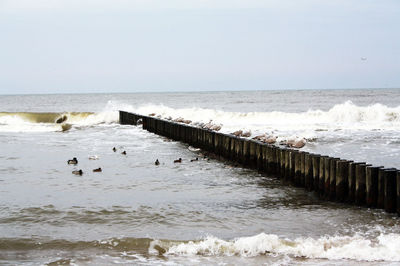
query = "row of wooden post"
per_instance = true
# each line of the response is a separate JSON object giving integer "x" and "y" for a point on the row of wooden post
{"x": 329, "y": 177}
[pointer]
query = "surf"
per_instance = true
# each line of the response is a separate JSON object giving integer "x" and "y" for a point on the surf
{"x": 346, "y": 115}
{"x": 354, "y": 248}
{"x": 53, "y": 121}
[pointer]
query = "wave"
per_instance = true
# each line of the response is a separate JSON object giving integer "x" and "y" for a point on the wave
{"x": 117, "y": 244}
{"x": 341, "y": 116}
{"x": 56, "y": 121}
{"x": 341, "y": 119}
{"x": 309, "y": 124}
{"x": 46, "y": 117}
{"x": 383, "y": 248}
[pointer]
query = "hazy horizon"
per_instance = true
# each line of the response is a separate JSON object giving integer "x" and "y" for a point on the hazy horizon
{"x": 192, "y": 91}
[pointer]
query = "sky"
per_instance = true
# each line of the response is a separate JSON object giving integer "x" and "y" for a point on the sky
{"x": 88, "y": 46}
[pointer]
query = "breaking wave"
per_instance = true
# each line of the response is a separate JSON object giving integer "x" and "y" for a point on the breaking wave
{"x": 385, "y": 247}
{"x": 345, "y": 116}
{"x": 57, "y": 121}
{"x": 341, "y": 116}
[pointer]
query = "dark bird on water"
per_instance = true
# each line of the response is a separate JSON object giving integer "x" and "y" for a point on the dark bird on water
{"x": 77, "y": 172}
{"x": 178, "y": 161}
{"x": 124, "y": 152}
{"x": 61, "y": 119}
{"x": 157, "y": 162}
{"x": 73, "y": 161}
{"x": 114, "y": 149}
{"x": 193, "y": 160}
{"x": 97, "y": 170}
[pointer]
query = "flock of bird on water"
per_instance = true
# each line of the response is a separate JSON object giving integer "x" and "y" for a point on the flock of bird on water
{"x": 74, "y": 161}
{"x": 265, "y": 138}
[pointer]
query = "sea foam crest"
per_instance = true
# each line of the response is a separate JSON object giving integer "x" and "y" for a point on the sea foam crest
{"x": 14, "y": 123}
{"x": 46, "y": 122}
{"x": 103, "y": 117}
{"x": 346, "y": 115}
{"x": 385, "y": 248}
{"x": 108, "y": 115}
{"x": 17, "y": 123}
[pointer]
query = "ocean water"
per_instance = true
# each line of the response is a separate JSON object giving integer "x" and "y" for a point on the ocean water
{"x": 205, "y": 212}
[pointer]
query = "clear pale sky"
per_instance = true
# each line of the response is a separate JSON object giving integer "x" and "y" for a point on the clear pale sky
{"x": 73, "y": 46}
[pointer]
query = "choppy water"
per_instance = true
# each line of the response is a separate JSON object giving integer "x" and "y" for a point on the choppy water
{"x": 203, "y": 212}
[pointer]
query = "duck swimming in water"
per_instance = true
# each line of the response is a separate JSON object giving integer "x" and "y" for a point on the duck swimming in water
{"x": 77, "y": 172}
{"x": 157, "y": 162}
{"x": 73, "y": 161}
{"x": 178, "y": 161}
{"x": 193, "y": 160}
{"x": 124, "y": 152}
{"x": 97, "y": 170}
{"x": 114, "y": 149}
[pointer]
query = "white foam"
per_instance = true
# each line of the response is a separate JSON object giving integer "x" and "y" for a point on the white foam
{"x": 345, "y": 116}
{"x": 14, "y": 123}
{"x": 104, "y": 117}
{"x": 341, "y": 116}
{"x": 108, "y": 115}
{"x": 386, "y": 247}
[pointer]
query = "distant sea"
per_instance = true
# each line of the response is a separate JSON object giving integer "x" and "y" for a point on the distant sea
{"x": 191, "y": 213}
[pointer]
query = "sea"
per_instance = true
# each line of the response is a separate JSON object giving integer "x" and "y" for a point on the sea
{"x": 203, "y": 212}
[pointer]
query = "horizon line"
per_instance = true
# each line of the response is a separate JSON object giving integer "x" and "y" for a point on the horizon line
{"x": 194, "y": 91}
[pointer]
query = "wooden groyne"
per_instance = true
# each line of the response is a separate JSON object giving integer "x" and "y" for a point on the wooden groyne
{"x": 330, "y": 178}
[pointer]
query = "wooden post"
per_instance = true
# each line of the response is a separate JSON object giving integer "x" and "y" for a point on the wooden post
{"x": 390, "y": 190}
{"x": 227, "y": 146}
{"x": 321, "y": 189}
{"x": 315, "y": 163}
{"x": 252, "y": 154}
{"x": 342, "y": 175}
{"x": 288, "y": 165}
{"x": 398, "y": 192}
{"x": 360, "y": 196}
{"x": 271, "y": 160}
{"x": 259, "y": 161}
{"x": 292, "y": 164}
{"x": 275, "y": 160}
{"x": 218, "y": 143}
{"x": 302, "y": 168}
{"x": 332, "y": 178}
{"x": 246, "y": 153}
{"x": 327, "y": 169}
{"x": 297, "y": 168}
{"x": 371, "y": 185}
{"x": 308, "y": 177}
{"x": 265, "y": 159}
{"x": 381, "y": 188}
{"x": 285, "y": 168}
{"x": 352, "y": 182}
